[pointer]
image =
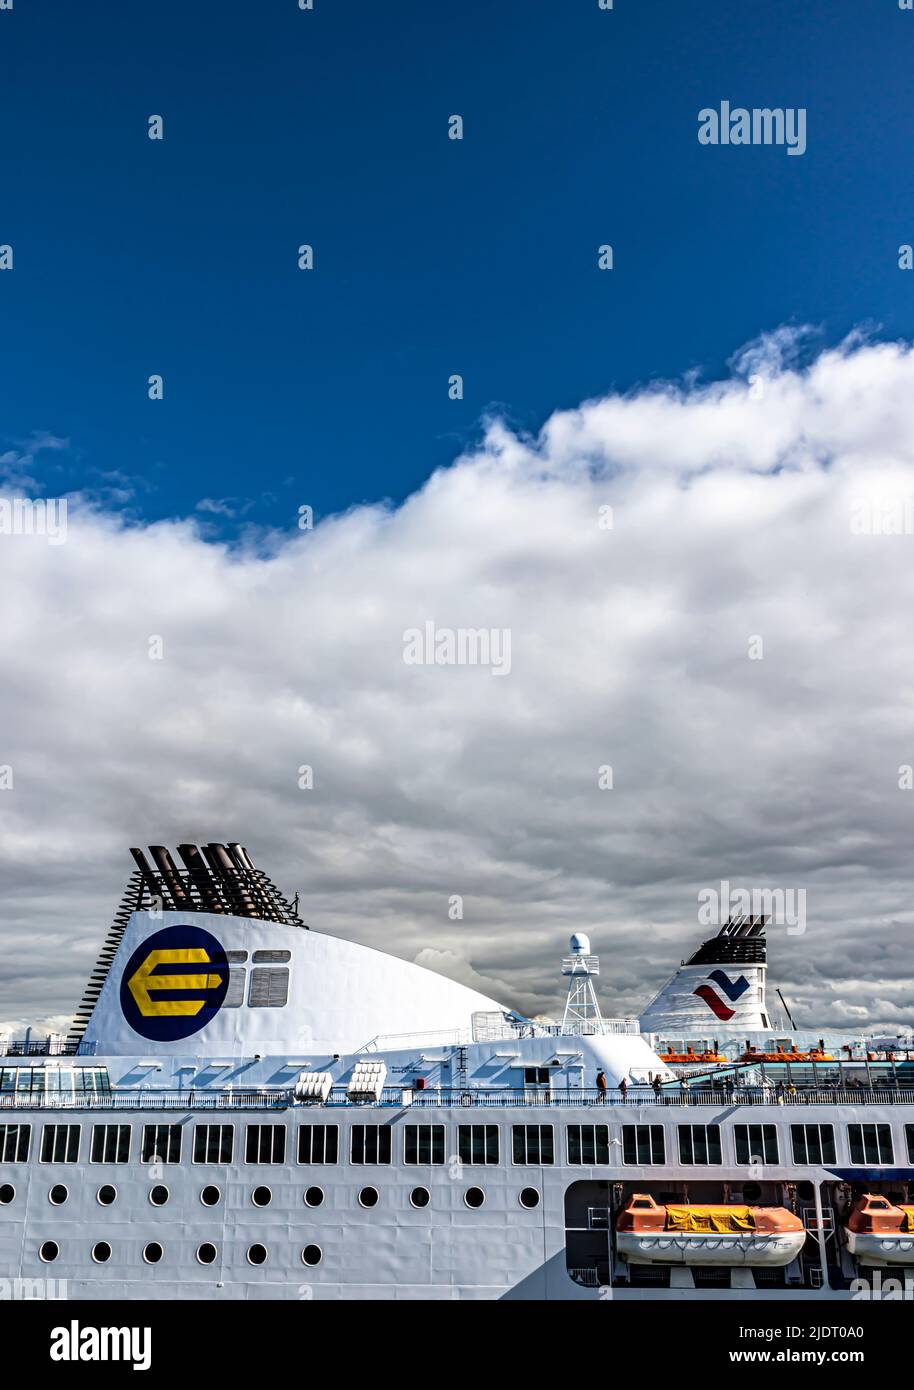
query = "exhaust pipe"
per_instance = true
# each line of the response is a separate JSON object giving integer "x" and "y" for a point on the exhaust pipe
{"x": 200, "y": 877}
{"x": 149, "y": 878}
{"x": 234, "y": 880}
{"x": 166, "y": 867}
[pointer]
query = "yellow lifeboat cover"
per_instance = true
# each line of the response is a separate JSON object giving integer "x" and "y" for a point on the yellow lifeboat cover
{"x": 718, "y": 1219}
{"x": 909, "y": 1218}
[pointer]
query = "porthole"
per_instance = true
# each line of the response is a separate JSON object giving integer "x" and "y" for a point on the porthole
{"x": 420, "y": 1196}
{"x": 206, "y": 1253}
{"x": 529, "y": 1198}
{"x": 49, "y": 1251}
{"x": 314, "y": 1197}
{"x": 106, "y": 1194}
{"x": 474, "y": 1197}
{"x": 210, "y": 1196}
{"x": 153, "y": 1253}
{"x": 257, "y": 1255}
{"x": 261, "y": 1196}
{"x": 7, "y": 1193}
{"x": 58, "y": 1194}
{"x": 368, "y": 1197}
{"x": 158, "y": 1195}
{"x": 312, "y": 1255}
{"x": 101, "y": 1252}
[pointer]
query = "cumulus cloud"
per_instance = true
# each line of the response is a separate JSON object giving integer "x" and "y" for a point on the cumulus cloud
{"x": 750, "y": 518}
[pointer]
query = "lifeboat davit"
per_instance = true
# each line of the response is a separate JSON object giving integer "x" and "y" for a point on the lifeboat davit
{"x": 723, "y": 1234}
{"x": 879, "y": 1233}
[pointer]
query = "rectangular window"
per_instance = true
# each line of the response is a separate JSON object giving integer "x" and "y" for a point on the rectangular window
{"x": 909, "y": 1136}
{"x": 532, "y": 1144}
{"x": 588, "y": 1144}
{"x": 643, "y": 1144}
{"x": 756, "y": 1143}
{"x": 536, "y": 1076}
{"x": 270, "y": 957}
{"x": 265, "y": 1144}
{"x": 699, "y": 1144}
{"x": 370, "y": 1144}
{"x": 870, "y": 1143}
{"x": 161, "y": 1144}
{"x": 213, "y": 1143}
{"x": 14, "y": 1143}
{"x": 477, "y": 1143}
{"x": 234, "y": 997}
{"x": 318, "y": 1143}
{"x": 813, "y": 1143}
{"x": 424, "y": 1144}
{"x": 269, "y": 987}
{"x": 110, "y": 1144}
{"x": 60, "y": 1144}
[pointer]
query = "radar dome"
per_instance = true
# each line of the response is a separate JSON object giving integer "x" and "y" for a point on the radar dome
{"x": 580, "y": 944}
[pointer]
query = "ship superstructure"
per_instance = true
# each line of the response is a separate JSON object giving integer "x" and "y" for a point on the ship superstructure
{"x": 249, "y": 1108}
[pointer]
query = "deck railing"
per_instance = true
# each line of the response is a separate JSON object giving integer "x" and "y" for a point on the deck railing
{"x": 150, "y": 1098}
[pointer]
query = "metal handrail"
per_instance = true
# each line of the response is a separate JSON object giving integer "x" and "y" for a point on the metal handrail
{"x": 637, "y": 1097}
{"x": 151, "y": 1098}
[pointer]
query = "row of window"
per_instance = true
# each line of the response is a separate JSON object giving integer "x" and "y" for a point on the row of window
{"x": 531, "y": 1144}
{"x": 210, "y": 1196}
{"x": 52, "y": 1081}
{"x": 207, "y": 1253}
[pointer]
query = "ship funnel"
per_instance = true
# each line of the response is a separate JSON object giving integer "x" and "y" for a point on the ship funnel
{"x": 222, "y": 879}
{"x": 723, "y": 982}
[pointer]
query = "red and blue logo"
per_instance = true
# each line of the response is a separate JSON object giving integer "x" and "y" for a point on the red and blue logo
{"x": 733, "y": 989}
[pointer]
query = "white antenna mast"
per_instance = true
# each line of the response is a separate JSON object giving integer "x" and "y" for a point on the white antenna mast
{"x": 582, "y": 1011}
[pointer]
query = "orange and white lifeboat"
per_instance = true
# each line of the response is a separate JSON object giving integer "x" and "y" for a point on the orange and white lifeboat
{"x": 723, "y": 1234}
{"x": 879, "y": 1233}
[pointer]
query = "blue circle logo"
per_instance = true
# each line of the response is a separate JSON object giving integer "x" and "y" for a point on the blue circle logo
{"x": 174, "y": 983}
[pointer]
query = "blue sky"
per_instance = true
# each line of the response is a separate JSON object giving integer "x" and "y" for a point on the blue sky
{"x": 632, "y": 646}
{"x": 432, "y": 256}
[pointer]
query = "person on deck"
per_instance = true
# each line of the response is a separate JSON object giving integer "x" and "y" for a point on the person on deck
{"x": 601, "y": 1087}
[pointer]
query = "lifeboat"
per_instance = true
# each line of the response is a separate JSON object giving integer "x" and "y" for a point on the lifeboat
{"x": 879, "y": 1233}
{"x": 815, "y": 1054}
{"x": 690, "y": 1056}
{"x": 724, "y": 1234}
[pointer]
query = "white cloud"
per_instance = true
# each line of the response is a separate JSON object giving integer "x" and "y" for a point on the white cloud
{"x": 629, "y": 647}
